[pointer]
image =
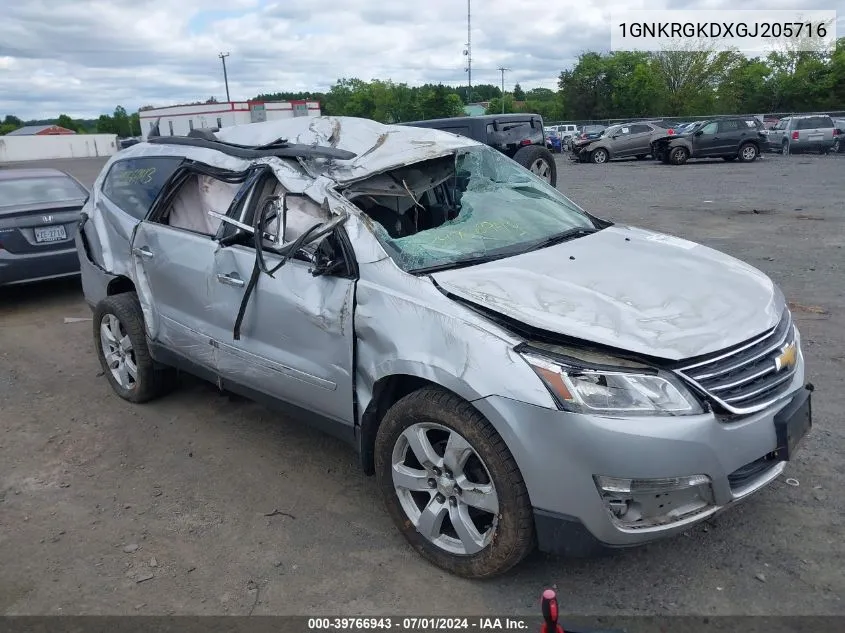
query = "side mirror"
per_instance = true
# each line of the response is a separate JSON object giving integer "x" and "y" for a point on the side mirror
{"x": 327, "y": 261}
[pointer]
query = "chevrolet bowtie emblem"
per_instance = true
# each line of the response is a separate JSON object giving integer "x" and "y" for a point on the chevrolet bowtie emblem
{"x": 787, "y": 357}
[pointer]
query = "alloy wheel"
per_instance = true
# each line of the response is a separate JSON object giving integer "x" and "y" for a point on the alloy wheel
{"x": 749, "y": 153}
{"x": 542, "y": 169}
{"x": 444, "y": 488}
{"x": 118, "y": 351}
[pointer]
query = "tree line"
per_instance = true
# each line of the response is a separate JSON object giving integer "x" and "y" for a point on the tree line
{"x": 599, "y": 86}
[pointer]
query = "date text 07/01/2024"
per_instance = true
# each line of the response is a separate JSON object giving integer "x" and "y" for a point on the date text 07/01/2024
{"x": 356, "y": 624}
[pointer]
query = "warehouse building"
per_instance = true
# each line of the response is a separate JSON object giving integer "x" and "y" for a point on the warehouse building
{"x": 40, "y": 130}
{"x": 181, "y": 119}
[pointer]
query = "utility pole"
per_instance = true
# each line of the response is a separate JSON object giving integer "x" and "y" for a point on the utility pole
{"x": 503, "y": 70}
{"x": 468, "y": 53}
{"x": 223, "y": 57}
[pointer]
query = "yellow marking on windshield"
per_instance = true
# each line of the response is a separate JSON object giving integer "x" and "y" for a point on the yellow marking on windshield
{"x": 142, "y": 176}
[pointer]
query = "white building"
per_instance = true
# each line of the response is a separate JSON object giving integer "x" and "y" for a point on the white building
{"x": 181, "y": 119}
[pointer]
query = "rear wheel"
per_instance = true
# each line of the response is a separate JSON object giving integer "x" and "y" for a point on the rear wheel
{"x": 539, "y": 161}
{"x": 678, "y": 155}
{"x": 836, "y": 146}
{"x": 452, "y": 486}
{"x": 121, "y": 344}
{"x": 747, "y": 153}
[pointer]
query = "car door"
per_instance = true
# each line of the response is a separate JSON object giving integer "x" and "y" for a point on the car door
{"x": 732, "y": 133}
{"x": 295, "y": 339}
{"x": 619, "y": 142}
{"x": 705, "y": 141}
{"x": 173, "y": 252}
{"x": 640, "y": 139}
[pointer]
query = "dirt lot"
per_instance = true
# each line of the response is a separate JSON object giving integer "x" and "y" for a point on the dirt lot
{"x": 110, "y": 508}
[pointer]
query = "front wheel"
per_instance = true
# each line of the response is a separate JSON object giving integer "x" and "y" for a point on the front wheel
{"x": 678, "y": 155}
{"x": 836, "y": 146}
{"x": 599, "y": 156}
{"x": 451, "y": 485}
{"x": 539, "y": 161}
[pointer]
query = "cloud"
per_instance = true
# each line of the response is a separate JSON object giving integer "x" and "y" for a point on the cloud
{"x": 84, "y": 57}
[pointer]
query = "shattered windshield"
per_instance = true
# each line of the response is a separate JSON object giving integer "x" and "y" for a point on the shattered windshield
{"x": 464, "y": 208}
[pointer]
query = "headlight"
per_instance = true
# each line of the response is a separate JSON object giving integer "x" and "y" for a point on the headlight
{"x": 611, "y": 386}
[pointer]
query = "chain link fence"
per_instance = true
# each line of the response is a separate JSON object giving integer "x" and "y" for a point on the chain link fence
{"x": 771, "y": 116}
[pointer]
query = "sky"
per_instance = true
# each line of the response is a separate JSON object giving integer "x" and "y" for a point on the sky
{"x": 84, "y": 57}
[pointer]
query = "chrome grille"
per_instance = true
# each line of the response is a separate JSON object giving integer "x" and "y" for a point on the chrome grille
{"x": 748, "y": 377}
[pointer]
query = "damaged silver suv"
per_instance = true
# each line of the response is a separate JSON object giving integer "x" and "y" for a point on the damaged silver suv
{"x": 515, "y": 371}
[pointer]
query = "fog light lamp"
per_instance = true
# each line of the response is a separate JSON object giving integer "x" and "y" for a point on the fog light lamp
{"x": 619, "y": 485}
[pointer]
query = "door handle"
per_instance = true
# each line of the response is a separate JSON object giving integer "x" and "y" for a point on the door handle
{"x": 231, "y": 279}
{"x": 143, "y": 251}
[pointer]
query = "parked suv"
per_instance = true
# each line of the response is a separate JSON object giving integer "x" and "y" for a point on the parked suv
{"x": 513, "y": 369}
{"x": 729, "y": 138}
{"x": 518, "y": 136}
{"x": 620, "y": 141}
{"x": 808, "y": 133}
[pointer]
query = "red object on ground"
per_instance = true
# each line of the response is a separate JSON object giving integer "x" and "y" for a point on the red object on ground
{"x": 550, "y": 613}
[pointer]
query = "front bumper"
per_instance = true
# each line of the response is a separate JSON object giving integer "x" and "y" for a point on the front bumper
{"x": 560, "y": 453}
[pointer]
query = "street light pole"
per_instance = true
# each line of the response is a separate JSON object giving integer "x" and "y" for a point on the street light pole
{"x": 468, "y": 53}
{"x": 502, "y": 70}
{"x": 223, "y": 57}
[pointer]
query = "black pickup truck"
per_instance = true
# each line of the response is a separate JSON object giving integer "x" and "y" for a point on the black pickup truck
{"x": 518, "y": 136}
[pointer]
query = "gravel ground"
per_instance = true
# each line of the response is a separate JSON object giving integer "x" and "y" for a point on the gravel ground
{"x": 110, "y": 508}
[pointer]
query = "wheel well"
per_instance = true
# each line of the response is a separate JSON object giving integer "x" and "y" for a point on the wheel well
{"x": 119, "y": 285}
{"x": 386, "y": 392}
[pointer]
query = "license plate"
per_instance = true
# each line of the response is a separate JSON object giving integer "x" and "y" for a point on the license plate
{"x": 792, "y": 424}
{"x": 50, "y": 233}
{"x": 815, "y": 137}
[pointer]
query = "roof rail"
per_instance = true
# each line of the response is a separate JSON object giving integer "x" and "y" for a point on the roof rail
{"x": 279, "y": 148}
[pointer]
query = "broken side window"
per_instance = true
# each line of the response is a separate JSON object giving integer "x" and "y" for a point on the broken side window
{"x": 473, "y": 204}
{"x": 190, "y": 207}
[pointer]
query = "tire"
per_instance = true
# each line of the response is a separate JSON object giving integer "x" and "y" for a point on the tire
{"x": 599, "y": 156}
{"x": 121, "y": 317}
{"x": 836, "y": 146}
{"x": 678, "y": 155}
{"x": 748, "y": 152}
{"x": 540, "y": 161}
{"x": 505, "y": 529}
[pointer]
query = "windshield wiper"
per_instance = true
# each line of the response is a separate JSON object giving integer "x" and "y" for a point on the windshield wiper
{"x": 470, "y": 261}
{"x": 569, "y": 234}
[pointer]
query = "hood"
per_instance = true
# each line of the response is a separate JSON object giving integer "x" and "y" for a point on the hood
{"x": 627, "y": 288}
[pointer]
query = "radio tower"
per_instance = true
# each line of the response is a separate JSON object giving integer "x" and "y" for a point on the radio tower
{"x": 468, "y": 53}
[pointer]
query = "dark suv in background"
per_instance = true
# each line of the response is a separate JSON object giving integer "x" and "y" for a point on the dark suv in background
{"x": 729, "y": 138}
{"x": 518, "y": 136}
